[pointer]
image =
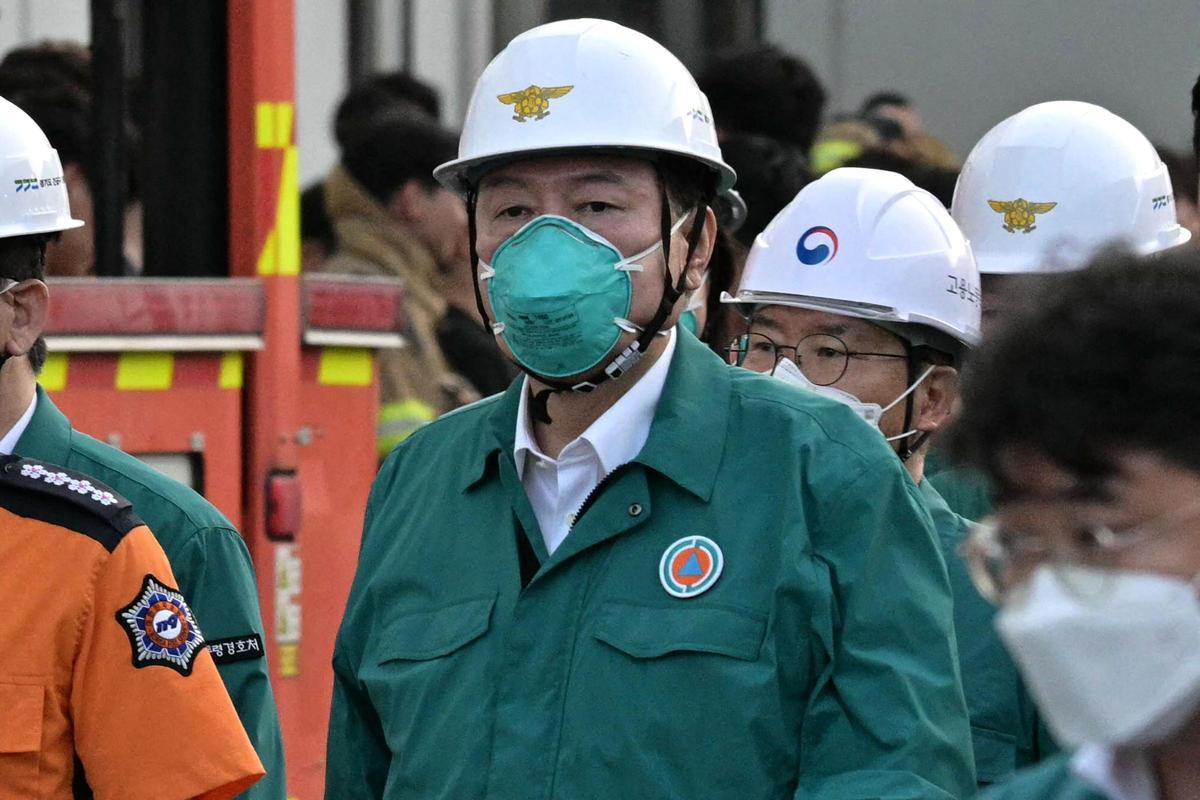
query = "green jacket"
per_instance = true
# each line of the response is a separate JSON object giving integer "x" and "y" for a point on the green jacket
{"x": 209, "y": 560}
{"x": 820, "y": 664}
{"x": 966, "y": 491}
{"x": 1050, "y": 780}
{"x": 1006, "y": 729}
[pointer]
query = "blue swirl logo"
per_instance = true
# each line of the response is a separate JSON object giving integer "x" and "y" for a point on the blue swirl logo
{"x": 817, "y": 245}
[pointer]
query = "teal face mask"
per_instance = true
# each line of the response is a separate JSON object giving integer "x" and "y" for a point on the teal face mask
{"x": 561, "y": 295}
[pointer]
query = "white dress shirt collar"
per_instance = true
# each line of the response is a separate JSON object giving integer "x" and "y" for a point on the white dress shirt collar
{"x": 10, "y": 439}
{"x": 617, "y": 435}
{"x": 1119, "y": 774}
{"x": 558, "y": 487}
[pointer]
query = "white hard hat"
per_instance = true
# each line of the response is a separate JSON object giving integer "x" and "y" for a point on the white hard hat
{"x": 868, "y": 243}
{"x": 33, "y": 193}
{"x": 1049, "y": 186}
{"x": 584, "y": 84}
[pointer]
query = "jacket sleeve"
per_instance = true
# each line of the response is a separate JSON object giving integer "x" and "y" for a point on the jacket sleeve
{"x": 218, "y": 577}
{"x": 151, "y": 717}
{"x": 888, "y": 718}
{"x": 357, "y": 757}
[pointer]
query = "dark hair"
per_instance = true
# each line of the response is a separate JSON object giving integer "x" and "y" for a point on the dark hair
{"x": 1088, "y": 364}
{"x": 22, "y": 258}
{"x": 723, "y": 320}
{"x": 376, "y": 96}
{"x": 1196, "y": 119}
{"x": 1182, "y": 171}
{"x": 686, "y": 182}
{"x": 50, "y": 63}
{"x": 881, "y": 99}
{"x": 395, "y": 148}
{"x": 770, "y": 174}
{"x": 763, "y": 90}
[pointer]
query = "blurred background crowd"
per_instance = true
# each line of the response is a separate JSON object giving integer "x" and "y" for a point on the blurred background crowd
{"x": 789, "y": 100}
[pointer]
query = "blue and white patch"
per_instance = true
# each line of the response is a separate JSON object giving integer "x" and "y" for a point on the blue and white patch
{"x": 161, "y": 628}
{"x": 690, "y": 566}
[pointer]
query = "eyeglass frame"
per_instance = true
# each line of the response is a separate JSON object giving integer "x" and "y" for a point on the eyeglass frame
{"x": 907, "y": 354}
{"x": 982, "y": 537}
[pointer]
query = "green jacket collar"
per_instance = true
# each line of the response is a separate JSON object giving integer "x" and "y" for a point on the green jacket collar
{"x": 48, "y": 437}
{"x": 687, "y": 434}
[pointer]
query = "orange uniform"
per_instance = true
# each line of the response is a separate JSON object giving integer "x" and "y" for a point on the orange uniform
{"x": 106, "y": 687}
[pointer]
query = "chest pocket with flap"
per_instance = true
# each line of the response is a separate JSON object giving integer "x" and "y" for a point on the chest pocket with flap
{"x": 438, "y": 632}
{"x": 20, "y": 737}
{"x": 644, "y": 631}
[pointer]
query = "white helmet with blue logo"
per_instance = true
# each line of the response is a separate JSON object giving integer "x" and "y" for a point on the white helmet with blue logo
{"x": 868, "y": 243}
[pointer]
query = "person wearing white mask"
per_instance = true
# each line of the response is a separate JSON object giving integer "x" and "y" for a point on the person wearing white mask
{"x": 863, "y": 290}
{"x": 1082, "y": 412}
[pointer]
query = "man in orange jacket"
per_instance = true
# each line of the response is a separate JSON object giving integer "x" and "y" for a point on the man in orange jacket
{"x": 106, "y": 687}
{"x": 105, "y": 683}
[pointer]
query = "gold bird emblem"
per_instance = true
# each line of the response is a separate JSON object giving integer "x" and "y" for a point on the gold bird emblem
{"x": 1020, "y": 214}
{"x": 534, "y": 102}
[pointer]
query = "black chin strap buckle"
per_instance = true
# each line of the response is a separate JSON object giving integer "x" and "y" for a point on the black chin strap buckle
{"x": 626, "y": 361}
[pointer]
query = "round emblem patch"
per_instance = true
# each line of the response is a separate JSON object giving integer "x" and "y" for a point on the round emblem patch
{"x": 690, "y": 566}
{"x": 161, "y": 628}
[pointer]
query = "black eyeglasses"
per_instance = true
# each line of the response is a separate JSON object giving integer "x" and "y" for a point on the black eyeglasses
{"x": 822, "y": 357}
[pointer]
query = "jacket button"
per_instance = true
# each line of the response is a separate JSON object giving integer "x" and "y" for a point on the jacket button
{"x": 635, "y": 509}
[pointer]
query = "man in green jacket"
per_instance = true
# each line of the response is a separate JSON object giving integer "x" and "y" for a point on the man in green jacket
{"x": 847, "y": 294}
{"x": 1094, "y": 552}
{"x": 206, "y": 553}
{"x": 638, "y": 572}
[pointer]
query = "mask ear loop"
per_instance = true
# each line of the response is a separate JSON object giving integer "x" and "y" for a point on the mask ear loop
{"x": 908, "y": 446}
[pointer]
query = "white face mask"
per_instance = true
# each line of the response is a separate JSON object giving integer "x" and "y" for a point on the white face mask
{"x": 787, "y": 371}
{"x": 1119, "y": 669}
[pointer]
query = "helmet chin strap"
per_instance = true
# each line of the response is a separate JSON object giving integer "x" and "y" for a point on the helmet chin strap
{"x": 908, "y": 444}
{"x": 631, "y": 355}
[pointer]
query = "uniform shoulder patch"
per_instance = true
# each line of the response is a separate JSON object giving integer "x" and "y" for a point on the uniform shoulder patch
{"x": 161, "y": 628}
{"x": 65, "y": 498}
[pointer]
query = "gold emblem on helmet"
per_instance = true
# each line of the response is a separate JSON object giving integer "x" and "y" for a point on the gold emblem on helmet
{"x": 1020, "y": 214}
{"x": 534, "y": 102}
